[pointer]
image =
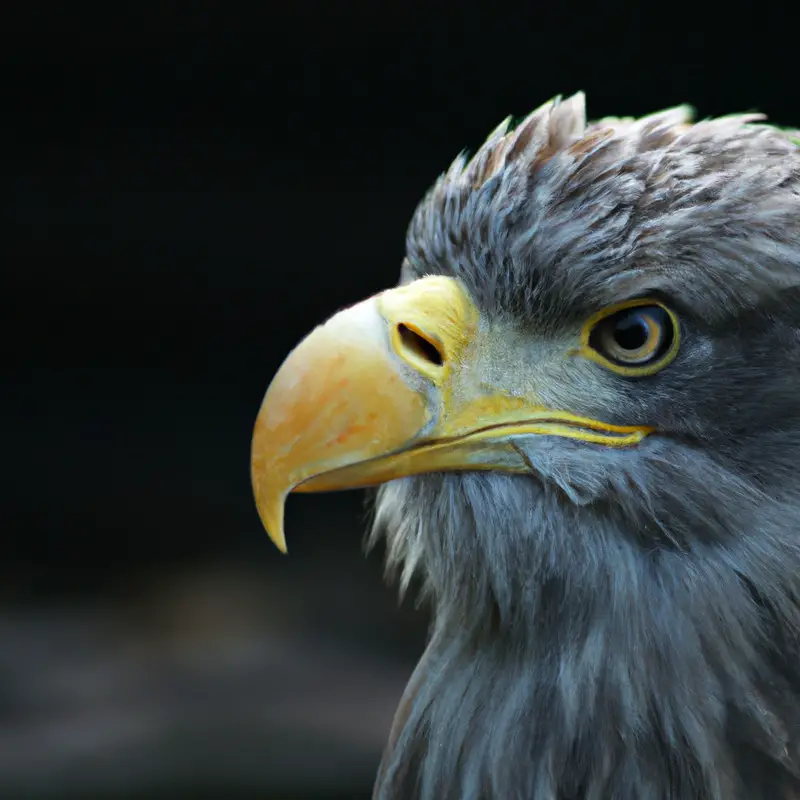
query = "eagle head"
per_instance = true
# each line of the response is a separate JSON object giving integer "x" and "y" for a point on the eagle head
{"x": 582, "y": 407}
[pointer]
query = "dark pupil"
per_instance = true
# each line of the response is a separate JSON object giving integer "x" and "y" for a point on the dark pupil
{"x": 631, "y": 332}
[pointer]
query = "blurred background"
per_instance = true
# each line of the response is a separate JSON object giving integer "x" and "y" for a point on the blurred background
{"x": 190, "y": 189}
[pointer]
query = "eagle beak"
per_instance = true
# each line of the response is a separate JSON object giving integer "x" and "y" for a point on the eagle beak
{"x": 382, "y": 391}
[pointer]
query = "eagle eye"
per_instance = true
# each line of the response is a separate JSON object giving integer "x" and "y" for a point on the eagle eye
{"x": 636, "y": 339}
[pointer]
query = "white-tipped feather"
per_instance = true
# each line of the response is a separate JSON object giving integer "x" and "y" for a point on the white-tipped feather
{"x": 567, "y": 121}
{"x": 549, "y": 128}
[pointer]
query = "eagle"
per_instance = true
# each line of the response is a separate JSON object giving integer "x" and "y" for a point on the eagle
{"x": 580, "y": 411}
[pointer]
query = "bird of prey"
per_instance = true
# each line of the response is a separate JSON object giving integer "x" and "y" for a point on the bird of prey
{"x": 581, "y": 406}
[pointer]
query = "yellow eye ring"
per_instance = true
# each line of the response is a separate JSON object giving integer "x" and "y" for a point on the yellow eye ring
{"x": 634, "y": 339}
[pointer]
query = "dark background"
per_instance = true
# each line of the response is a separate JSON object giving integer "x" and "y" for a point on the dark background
{"x": 189, "y": 191}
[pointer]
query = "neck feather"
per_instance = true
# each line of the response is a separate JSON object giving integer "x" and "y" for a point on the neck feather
{"x": 570, "y": 660}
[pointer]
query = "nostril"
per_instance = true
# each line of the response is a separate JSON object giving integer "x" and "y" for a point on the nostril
{"x": 420, "y": 346}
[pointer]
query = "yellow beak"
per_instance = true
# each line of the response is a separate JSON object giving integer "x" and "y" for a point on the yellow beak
{"x": 382, "y": 391}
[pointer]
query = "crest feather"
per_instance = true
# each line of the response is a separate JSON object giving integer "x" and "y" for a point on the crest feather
{"x": 550, "y": 128}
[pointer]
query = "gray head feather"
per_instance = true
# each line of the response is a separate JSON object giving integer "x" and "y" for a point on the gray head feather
{"x": 560, "y": 212}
